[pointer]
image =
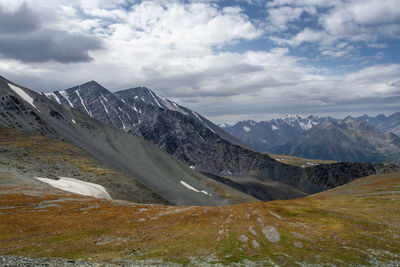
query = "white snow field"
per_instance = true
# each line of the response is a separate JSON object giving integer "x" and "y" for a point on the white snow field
{"x": 77, "y": 187}
{"x": 22, "y": 94}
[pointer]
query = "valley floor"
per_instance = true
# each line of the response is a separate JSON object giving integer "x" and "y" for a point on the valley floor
{"x": 355, "y": 224}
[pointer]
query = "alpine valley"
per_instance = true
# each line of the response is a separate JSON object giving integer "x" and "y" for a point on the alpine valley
{"x": 203, "y": 146}
{"x": 129, "y": 178}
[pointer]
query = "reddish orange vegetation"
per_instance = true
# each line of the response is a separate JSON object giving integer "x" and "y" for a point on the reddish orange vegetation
{"x": 355, "y": 223}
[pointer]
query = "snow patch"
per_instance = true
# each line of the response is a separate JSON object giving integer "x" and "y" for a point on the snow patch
{"x": 247, "y": 129}
{"x": 105, "y": 99}
{"x": 197, "y": 116}
{"x": 274, "y": 128}
{"x": 105, "y": 108}
{"x": 188, "y": 186}
{"x": 22, "y": 94}
{"x": 306, "y": 126}
{"x": 205, "y": 192}
{"x": 204, "y": 123}
{"x": 253, "y": 123}
{"x": 155, "y": 98}
{"x": 54, "y": 96}
{"x": 77, "y": 186}
{"x": 66, "y": 97}
{"x": 170, "y": 105}
{"x": 83, "y": 103}
{"x": 73, "y": 121}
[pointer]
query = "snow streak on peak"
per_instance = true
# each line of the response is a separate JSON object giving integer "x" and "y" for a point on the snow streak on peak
{"x": 294, "y": 121}
{"x": 83, "y": 103}
{"x": 66, "y": 97}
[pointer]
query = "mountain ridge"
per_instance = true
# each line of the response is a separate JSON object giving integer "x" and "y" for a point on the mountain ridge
{"x": 28, "y": 110}
{"x": 198, "y": 146}
{"x": 301, "y": 141}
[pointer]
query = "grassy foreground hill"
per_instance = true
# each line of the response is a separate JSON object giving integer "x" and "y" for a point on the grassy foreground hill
{"x": 354, "y": 224}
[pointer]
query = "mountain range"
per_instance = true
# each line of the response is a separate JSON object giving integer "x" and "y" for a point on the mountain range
{"x": 351, "y": 139}
{"x": 111, "y": 127}
{"x": 385, "y": 124}
{"x": 345, "y": 140}
{"x": 144, "y": 162}
{"x": 267, "y": 136}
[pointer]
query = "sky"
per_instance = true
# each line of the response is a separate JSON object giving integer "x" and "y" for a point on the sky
{"x": 228, "y": 60}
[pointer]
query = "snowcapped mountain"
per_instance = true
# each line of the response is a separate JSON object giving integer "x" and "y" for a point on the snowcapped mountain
{"x": 181, "y": 132}
{"x": 127, "y": 109}
{"x": 97, "y": 102}
{"x": 203, "y": 146}
{"x": 266, "y": 136}
{"x": 147, "y": 96}
{"x": 324, "y": 137}
{"x": 345, "y": 140}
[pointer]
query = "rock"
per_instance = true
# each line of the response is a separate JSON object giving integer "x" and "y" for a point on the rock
{"x": 271, "y": 234}
{"x": 255, "y": 244}
{"x": 243, "y": 238}
{"x": 298, "y": 244}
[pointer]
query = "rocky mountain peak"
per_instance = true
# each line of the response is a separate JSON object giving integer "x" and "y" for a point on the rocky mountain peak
{"x": 89, "y": 88}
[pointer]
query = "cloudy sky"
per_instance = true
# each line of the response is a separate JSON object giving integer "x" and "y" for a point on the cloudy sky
{"x": 228, "y": 60}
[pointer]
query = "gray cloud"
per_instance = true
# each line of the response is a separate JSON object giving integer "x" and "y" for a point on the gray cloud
{"x": 22, "y": 37}
{"x": 21, "y": 21}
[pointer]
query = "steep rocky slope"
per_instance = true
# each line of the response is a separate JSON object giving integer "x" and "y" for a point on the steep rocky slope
{"x": 149, "y": 97}
{"x": 179, "y": 131}
{"x": 24, "y": 109}
{"x": 28, "y": 155}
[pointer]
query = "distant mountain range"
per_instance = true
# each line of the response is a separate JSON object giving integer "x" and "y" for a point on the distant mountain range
{"x": 267, "y": 136}
{"x": 352, "y": 139}
{"x": 110, "y": 126}
{"x": 346, "y": 140}
{"x": 390, "y": 124}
